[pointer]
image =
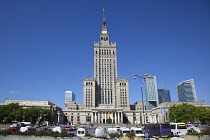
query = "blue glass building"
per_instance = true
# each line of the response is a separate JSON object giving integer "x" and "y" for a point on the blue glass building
{"x": 151, "y": 91}
{"x": 186, "y": 91}
{"x": 164, "y": 95}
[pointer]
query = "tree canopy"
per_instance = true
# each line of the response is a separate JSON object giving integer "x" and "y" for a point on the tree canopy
{"x": 188, "y": 113}
{"x": 13, "y": 113}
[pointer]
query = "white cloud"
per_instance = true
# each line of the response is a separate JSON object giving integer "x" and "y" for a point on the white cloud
{"x": 13, "y": 92}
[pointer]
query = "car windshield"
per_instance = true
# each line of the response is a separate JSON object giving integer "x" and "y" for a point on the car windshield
{"x": 139, "y": 132}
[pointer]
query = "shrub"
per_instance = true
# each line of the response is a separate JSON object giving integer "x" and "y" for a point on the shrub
{"x": 5, "y": 132}
{"x": 130, "y": 135}
{"x": 34, "y": 133}
{"x": 115, "y": 135}
{"x": 205, "y": 131}
{"x": 87, "y": 135}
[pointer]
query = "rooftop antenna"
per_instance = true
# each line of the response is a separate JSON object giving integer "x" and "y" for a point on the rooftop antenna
{"x": 104, "y": 18}
{"x": 162, "y": 85}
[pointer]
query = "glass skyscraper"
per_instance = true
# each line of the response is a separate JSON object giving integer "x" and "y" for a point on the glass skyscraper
{"x": 164, "y": 95}
{"x": 186, "y": 91}
{"x": 69, "y": 96}
{"x": 151, "y": 91}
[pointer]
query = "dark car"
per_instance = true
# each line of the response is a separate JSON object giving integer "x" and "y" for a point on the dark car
{"x": 71, "y": 135}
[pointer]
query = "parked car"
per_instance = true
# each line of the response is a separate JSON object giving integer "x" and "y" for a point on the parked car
{"x": 71, "y": 135}
{"x": 27, "y": 128}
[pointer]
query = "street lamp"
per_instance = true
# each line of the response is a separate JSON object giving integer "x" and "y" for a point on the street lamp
{"x": 142, "y": 96}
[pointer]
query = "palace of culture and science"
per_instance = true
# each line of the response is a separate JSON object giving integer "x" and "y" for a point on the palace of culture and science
{"x": 106, "y": 97}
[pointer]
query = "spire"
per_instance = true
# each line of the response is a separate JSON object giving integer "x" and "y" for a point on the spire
{"x": 104, "y": 18}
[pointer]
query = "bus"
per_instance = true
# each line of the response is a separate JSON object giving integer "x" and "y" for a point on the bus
{"x": 178, "y": 128}
{"x": 81, "y": 132}
{"x": 157, "y": 129}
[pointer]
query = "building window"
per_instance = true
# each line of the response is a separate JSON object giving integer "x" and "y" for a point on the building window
{"x": 88, "y": 118}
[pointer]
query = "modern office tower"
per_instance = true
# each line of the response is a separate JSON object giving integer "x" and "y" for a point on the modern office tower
{"x": 186, "y": 91}
{"x": 69, "y": 96}
{"x": 164, "y": 95}
{"x": 105, "y": 88}
{"x": 151, "y": 91}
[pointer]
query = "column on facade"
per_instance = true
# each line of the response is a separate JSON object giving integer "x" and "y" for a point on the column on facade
{"x": 102, "y": 113}
{"x": 112, "y": 116}
{"x": 105, "y": 116}
{"x": 102, "y": 117}
{"x": 115, "y": 117}
{"x": 109, "y": 116}
{"x": 98, "y": 117}
{"x": 118, "y": 117}
{"x": 121, "y": 117}
{"x": 92, "y": 116}
{"x": 95, "y": 117}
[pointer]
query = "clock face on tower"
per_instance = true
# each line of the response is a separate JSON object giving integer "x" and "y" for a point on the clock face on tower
{"x": 104, "y": 32}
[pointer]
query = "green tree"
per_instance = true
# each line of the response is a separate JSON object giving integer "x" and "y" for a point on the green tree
{"x": 188, "y": 113}
{"x": 9, "y": 112}
{"x": 203, "y": 114}
{"x": 14, "y": 112}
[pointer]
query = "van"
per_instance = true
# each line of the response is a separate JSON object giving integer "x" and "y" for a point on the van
{"x": 24, "y": 129}
{"x": 81, "y": 132}
{"x": 58, "y": 129}
{"x": 99, "y": 132}
{"x": 112, "y": 130}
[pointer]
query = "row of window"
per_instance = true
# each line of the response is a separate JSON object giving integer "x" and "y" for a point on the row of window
{"x": 122, "y": 84}
{"x": 89, "y": 90}
{"x": 89, "y": 83}
{"x": 106, "y": 60}
{"x": 125, "y": 103}
{"x": 105, "y": 52}
{"x": 123, "y": 98}
{"x": 104, "y": 38}
{"x": 123, "y": 94}
{"x": 140, "y": 114}
{"x": 141, "y": 108}
{"x": 106, "y": 69}
{"x": 88, "y": 104}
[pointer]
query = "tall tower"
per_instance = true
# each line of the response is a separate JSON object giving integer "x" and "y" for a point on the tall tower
{"x": 186, "y": 91}
{"x": 105, "y": 67}
{"x": 104, "y": 89}
{"x": 151, "y": 91}
{"x": 164, "y": 95}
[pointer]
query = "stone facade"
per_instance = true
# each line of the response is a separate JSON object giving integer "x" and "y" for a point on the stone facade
{"x": 118, "y": 115}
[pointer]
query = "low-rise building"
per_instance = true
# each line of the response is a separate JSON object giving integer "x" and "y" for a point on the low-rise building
{"x": 56, "y": 111}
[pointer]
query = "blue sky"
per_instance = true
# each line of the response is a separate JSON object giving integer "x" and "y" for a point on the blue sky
{"x": 46, "y": 47}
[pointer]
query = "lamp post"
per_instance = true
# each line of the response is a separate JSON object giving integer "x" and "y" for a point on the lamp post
{"x": 142, "y": 96}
